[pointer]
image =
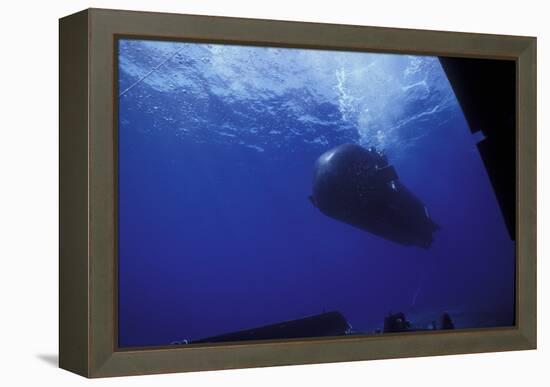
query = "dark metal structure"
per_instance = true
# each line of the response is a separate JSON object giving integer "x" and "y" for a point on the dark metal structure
{"x": 486, "y": 92}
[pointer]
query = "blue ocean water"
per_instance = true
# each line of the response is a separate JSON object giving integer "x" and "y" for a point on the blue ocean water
{"x": 216, "y": 233}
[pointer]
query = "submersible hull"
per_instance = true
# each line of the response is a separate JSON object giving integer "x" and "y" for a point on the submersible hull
{"x": 357, "y": 186}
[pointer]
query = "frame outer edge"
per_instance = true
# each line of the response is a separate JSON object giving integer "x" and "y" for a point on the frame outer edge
{"x": 527, "y": 194}
{"x": 104, "y": 359}
{"x": 73, "y": 194}
{"x": 102, "y": 165}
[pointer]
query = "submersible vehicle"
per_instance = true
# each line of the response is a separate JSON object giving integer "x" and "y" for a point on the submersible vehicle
{"x": 357, "y": 186}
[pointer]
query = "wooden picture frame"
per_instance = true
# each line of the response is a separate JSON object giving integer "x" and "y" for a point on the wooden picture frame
{"x": 87, "y": 263}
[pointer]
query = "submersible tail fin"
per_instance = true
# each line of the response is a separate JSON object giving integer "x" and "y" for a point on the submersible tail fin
{"x": 435, "y": 226}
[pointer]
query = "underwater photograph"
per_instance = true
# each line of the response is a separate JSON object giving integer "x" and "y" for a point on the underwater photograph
{"x": 269, "y": 193}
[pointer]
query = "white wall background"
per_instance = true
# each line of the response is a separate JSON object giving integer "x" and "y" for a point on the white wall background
{"x": 29, "y": 181}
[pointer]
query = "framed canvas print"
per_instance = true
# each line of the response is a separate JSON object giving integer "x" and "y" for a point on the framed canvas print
{"x": 241, "y": 193}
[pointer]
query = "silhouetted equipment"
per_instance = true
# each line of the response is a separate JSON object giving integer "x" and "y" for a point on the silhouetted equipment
{"x": 486, "y": 92}
{"x": 447, "y": 322}
{"x": 325, "y": 324}
{"x": 357, "y": 186}
{"x": 396, "y": 322}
